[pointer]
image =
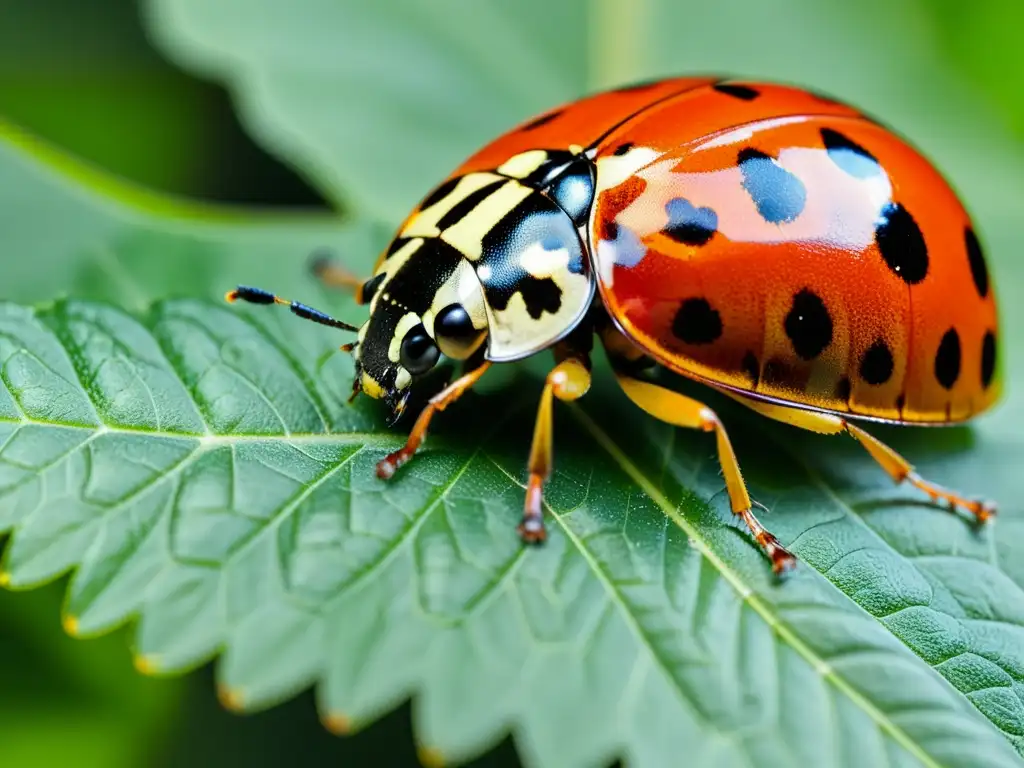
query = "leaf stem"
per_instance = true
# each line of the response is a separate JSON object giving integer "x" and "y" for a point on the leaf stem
{"x": 617, "y": 42}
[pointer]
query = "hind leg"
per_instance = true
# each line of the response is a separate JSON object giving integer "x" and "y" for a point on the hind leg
{"x": 897, "y": 467}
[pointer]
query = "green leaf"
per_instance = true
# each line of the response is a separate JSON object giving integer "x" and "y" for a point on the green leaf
{"x": 200, "y": 469}
{"x": 129, "y": 246}
{"x": 379, "y": 148}
{"x": 132, "y": 112}
{"x": 179, "y": 461}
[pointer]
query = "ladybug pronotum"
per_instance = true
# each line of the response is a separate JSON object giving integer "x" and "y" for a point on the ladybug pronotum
{"x": 772, "y": 244}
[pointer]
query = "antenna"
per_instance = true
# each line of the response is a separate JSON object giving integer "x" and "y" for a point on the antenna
{"x": 259, "y": 296}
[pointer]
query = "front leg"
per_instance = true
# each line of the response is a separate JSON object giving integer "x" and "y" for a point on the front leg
{"x": 387, "y": 466}
{"x": 333, "y": 275}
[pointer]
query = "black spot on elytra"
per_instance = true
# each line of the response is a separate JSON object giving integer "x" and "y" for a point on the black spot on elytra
{"x": 540, "y": 295}
{"x": 461, "y": 209}
{"x": 947, "y": 359}
{"x": 844, "y": 389}
{"x": 440, "y": 193}
{"x": 544, "y": 119}
{"x": 977, "y": 261}
{"x": 988, "y": 359}
{"x": 697, "y": 322}
{"x": 777, "y": 372}
{"x": 737, "y": 91}
{"x": 749, "y": 153}
{"x": 901, "y": 243}
{"x": 808, "y": 325}
{"x": 750, "y": 366}
{"x": 877, "y": 364}
{"x": 778, "y": 194}
{"x": 849, "y": 156}
{"x": 688, "y": 224}
{"x": 623, "y": 149}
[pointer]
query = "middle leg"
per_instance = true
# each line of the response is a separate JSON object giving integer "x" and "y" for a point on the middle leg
{"x": 681, "y": 411}
{"x": 569, "y": 380}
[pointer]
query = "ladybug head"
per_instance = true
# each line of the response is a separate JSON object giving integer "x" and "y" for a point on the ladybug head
{"x": 425, "y": 302}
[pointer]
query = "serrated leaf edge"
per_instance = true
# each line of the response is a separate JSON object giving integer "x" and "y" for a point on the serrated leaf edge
{"x": 234, "y": 699}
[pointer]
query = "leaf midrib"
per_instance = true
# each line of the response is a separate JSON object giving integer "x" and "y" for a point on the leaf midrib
{"x": 213, "y": 439}
{"x": 617, "y": 599}
{"x": 763, "y": 609}
{"x": 848, "y": 512}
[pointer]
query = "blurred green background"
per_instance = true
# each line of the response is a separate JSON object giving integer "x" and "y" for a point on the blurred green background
{"x": 84, "y": 77}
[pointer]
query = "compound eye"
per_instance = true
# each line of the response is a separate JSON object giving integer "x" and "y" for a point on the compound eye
{"x": 455, "y": 333}
{"x": 418, "y": 353}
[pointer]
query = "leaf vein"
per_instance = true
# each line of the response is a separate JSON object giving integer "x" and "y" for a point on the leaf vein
{"x": 763, "y": 609}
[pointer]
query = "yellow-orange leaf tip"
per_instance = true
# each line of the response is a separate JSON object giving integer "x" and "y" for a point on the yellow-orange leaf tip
{"x": 5, "y": 579}
{"x": 337, "y": 723}
{"x": 231, "y": 698}
{"x": 430, "y": 757}
{"x": 70, "y": 624}
{"x": 146, "y": 664}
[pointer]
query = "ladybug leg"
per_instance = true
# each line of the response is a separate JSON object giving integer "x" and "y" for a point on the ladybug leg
{"x": 897, "y": 467}
{"x": 569, "y": 380}
{"x": 901, "y": 470}
{"x": 387, "y": 466}
{"x": 332, "y": 274}
{"x": 674, "y": 408}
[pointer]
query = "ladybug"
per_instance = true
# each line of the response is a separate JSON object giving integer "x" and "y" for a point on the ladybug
{"x": 773, "y": 244}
